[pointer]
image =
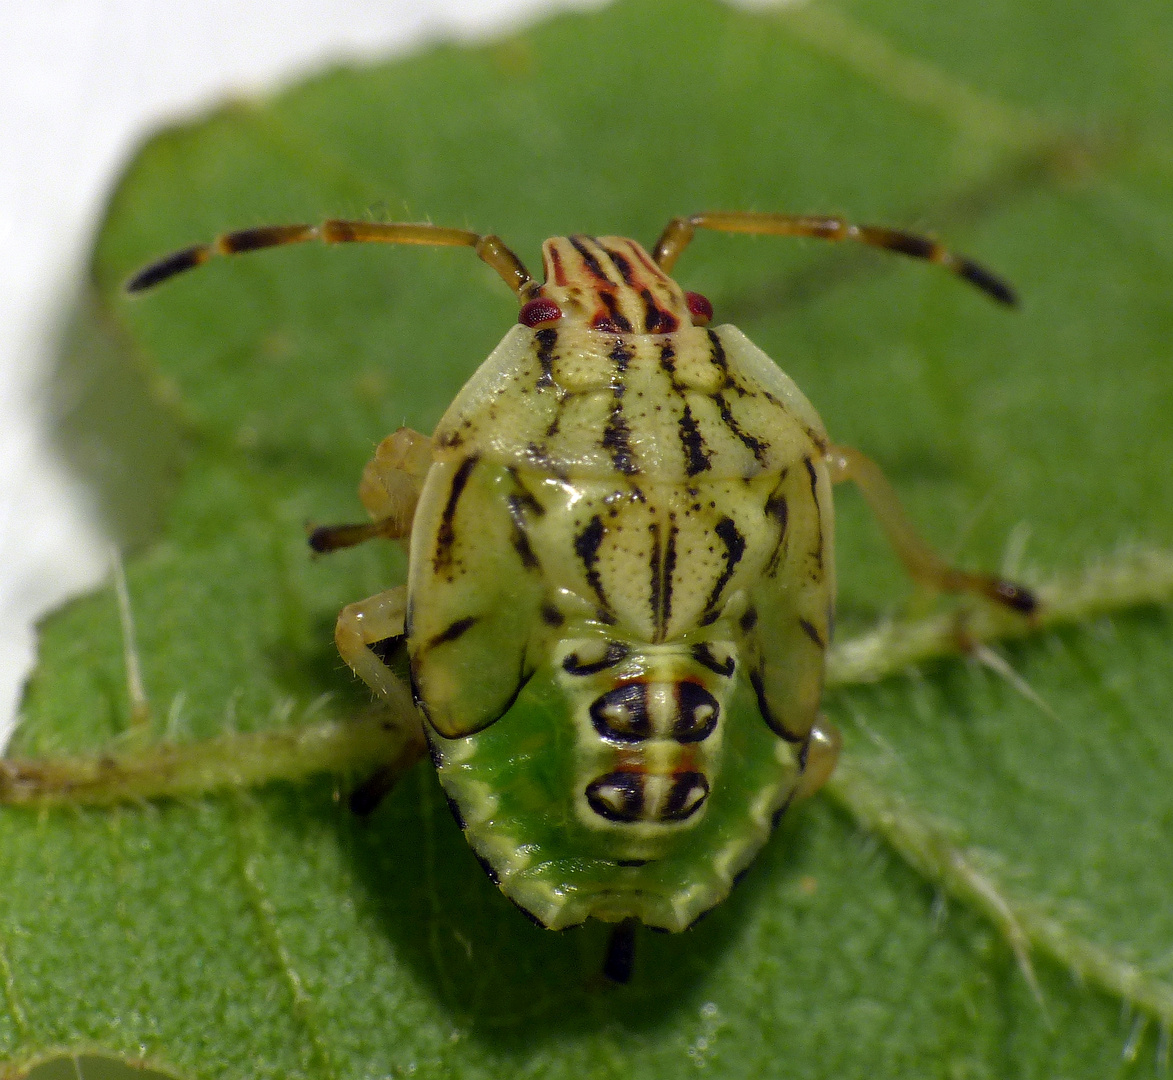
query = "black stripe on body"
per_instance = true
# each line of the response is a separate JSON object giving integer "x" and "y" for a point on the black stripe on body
{"x": 812, "y": 632}
{"x": 547, "y": 339}
{"x": 616, "y": 653}
{"x": 615, "y": 317}
{"x": 703, "y": 655}
{"x": 775, "y": 725}
{"x": 753, "y": 444}
{"x": 452, "y": 632}
{"x": 446, "y": 534}
{"x": 518, "y": 504}
{"x": 697, "y": 455}
{"x": 617, "y": 434}
{"x": 777, "y": 508}
{"x": 586, "y": 547}
{"x": 814, "y": 479}
{"x": 734, "y": 549}
{"x": 656, "y": 573}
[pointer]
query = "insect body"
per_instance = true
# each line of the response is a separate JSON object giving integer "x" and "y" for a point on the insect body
{"x": 621, "y": 575}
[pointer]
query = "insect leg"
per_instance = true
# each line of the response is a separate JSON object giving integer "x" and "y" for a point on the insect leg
{"x": 819, "y": 758}
{"x": 679, "y": 233}
{"x": 922, "y": 563}
{"x": 490, "y": 248}
{"x": 389, "y": 489}
{"x": 366, "y": 634}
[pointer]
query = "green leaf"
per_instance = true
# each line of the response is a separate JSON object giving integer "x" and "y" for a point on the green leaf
{"x": 264, "y": 931}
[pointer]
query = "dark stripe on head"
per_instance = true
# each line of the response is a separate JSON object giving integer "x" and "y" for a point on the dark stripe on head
{"x": 615, "y": 317}
{"x": 588, "y": 258}
{"x": 446, "y": 533}
{"x": 656, "y": 319}
{"x": 621, "y": 263}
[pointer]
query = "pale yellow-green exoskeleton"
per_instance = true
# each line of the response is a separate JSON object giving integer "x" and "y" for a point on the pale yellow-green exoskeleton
{"x": 621, "y": 580}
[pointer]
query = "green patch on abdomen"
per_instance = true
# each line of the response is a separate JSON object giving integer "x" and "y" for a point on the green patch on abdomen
{"x": 515, "y": 786}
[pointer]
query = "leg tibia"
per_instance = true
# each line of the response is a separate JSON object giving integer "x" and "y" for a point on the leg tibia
{"x": 922, "y": 563}
{"x": 363, "y": 634}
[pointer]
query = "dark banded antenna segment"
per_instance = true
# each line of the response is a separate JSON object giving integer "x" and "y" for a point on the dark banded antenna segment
{"x": 679, "y": 233}
{"x": 490, "y": 248}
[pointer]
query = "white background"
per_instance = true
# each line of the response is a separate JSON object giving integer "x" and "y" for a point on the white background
{"x": 81, "y": 81}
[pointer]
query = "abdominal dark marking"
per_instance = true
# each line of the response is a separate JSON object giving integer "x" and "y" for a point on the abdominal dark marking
{"x": 734, "y": 548}
{"x": 617, "y": 796}
{"x": 688, "y": 792}
{"x": 586, "y": 547}
{"x": 697, "y": 714}
{"x": 446, "y": 534}
{"x": 621, "y": 714}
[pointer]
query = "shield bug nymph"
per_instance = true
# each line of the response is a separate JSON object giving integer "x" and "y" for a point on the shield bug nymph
{"x": 621, "y": 574}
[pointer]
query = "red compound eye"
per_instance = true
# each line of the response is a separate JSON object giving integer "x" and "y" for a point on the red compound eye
{"x": 539, "y": 312}
{"x": 699, "y": 308}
